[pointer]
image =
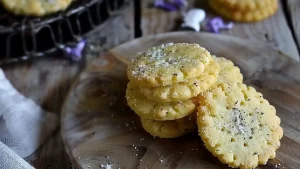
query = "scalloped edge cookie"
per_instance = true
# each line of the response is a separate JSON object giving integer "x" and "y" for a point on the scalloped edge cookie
{"x": 184, "y": 90}
{"x": 171, "y": 128}
{"x": 168, "y": 64}
{"x": 238, "y": 126}
{"x": 244, "y": 16}
{"x": 156, "y": 110}
{"x": 246, "y": 5}
{"x": 229, "y": 73}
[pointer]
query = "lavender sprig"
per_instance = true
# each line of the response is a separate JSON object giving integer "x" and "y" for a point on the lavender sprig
{"x": 216, "y": 24}
{"x": 171, "y": 5}
{"x": 75, "y": 53}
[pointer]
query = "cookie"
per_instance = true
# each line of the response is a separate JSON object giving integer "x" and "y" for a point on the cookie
{"x": 244, "y": 16}
{"x": 171, "y": 128}
{"x": 245, "y": 5}
{"x": 229, "y": 73}
{"x": 184, "y": 90}
{"x": 168, "y": 64}
{"x": 239, "y": 126}
{"x": 35, "y": 7}
{"x": 156, "y": 110}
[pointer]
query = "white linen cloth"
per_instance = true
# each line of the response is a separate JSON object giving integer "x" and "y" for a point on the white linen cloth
{"x": 24, "y": 126}
{"x": 10, "y": 160}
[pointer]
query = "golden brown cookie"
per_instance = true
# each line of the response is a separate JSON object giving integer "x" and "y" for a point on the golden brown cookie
{"x": 246, "y": 5}
{"x": 244, "y": 15}
{"x": 229, "y": 73}
{"x": 168, "y": 64}
{"x": 35, "y": 7}
{"x": 184, "y": 90}
{"x": 239, "y": 126}
{"x": 154, "y": 110}
{"x": 171, "y": 128}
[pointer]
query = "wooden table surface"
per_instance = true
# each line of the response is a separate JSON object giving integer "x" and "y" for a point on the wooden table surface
{"x": 47, "y": 81}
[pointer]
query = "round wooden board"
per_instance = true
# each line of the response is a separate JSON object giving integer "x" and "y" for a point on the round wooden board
{"x": 99, "y": 130}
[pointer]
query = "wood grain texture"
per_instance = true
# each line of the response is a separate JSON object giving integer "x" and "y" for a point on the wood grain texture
{"x": 275, "y": 30}
{"x": 293, "y": 7}
{"x": 47, "y": 81}
{"x": 99, "y": 128}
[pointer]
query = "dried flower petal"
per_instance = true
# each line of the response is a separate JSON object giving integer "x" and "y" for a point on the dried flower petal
{"x": 216, "y": 24}
{"x": 75, "y": 53}
{"x": 171, "y": 5}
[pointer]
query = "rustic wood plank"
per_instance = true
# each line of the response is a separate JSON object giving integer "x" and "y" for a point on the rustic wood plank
{"x": 47, "y": 81}
{"x": 293, "y": 7}
{"x": 274, "y": 31}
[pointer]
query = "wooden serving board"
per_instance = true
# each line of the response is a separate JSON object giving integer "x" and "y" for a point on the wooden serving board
{"x": 99, "y": 129}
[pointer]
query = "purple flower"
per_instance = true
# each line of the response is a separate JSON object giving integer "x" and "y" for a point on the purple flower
{"x": 216, "y": 24}
{"x": 75, "y": 52}
{"x": 170, "y": 5}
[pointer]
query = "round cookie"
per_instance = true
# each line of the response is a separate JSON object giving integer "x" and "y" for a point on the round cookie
{"x": 184, "y": 90}
{"x": 35, "y": 7}
{"x": 246, "y": 5}
{"x": 239, "y": 126}
{"x": 156, "y": 110}
{"x": 168, "y": 64}
{"x": 244, "y": 16}
{"x": 228, "y": 72}
{"x": 171, "y": 128}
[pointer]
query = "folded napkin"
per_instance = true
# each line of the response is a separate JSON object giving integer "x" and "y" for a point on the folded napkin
{"x": 24, "y": 125}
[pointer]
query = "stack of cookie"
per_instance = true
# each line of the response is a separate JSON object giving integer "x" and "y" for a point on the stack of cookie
{"x": 168, "y": 83}
{"x": 245, "y": 10}
{"x": 164, "y": 83}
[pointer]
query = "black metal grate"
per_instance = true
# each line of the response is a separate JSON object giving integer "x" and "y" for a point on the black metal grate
{"x": 26, "y": 37}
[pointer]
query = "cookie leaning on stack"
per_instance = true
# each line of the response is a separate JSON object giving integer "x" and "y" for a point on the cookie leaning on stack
{"x": 164, "y": 82}
{"x": 245, "y": 10}
{"x": 236, "y": 124}
{"x": 239, "y": 126}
